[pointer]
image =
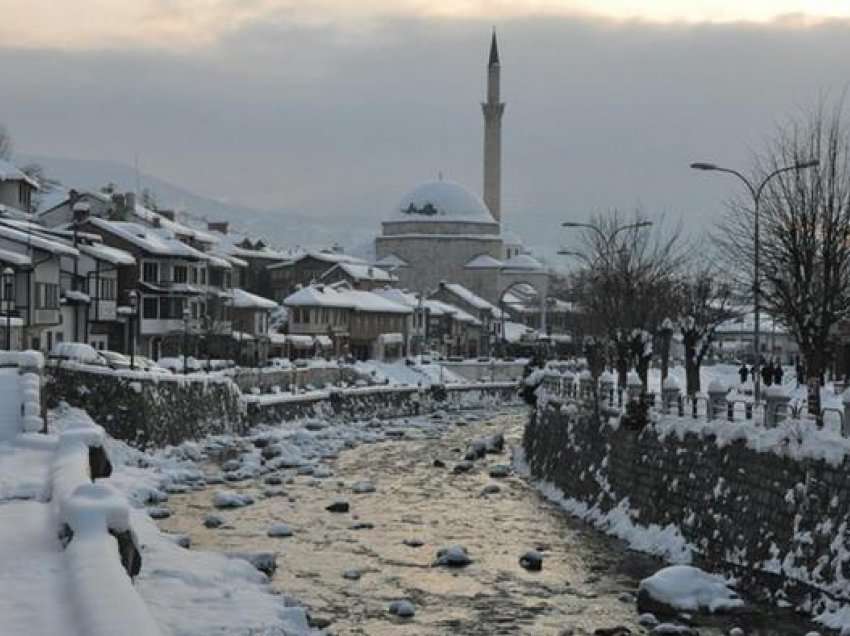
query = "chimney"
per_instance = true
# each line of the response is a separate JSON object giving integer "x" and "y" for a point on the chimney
{"x": 218, "y": 226}
{"x": 130, "y": 202}
{"x": 168, "y": 214}
{"x": 156, "y": 221}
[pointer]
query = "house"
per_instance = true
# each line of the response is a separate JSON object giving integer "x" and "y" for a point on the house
{"x": 250, "y": 315}
{"x": 16, "y": 190}
{"x": 257, "y": 257}
{"x": 358, "y": 276}
{"x": 358, "y": 323}
{"x": 305, "y": 269}
{"x": 36, "y": 261}
{"x": 170, "y": 277}
{"x": 438, "y": 326}
{"x": 484, "y": 311}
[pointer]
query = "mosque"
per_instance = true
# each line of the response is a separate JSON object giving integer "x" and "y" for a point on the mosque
{"x": 441, "y": 231}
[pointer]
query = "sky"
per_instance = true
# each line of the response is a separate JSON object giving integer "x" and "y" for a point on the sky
{"x": 333, "y": 109}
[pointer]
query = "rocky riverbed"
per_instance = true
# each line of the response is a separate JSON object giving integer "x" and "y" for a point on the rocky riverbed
{"x": 359, "y": 530}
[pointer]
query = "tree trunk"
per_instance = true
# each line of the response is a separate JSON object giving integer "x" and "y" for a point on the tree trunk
{"x": 691, "y": 369}
{"x": 643, "y": 371}
{"x": 622, "y": 370}
{"x": 814, "y": 370}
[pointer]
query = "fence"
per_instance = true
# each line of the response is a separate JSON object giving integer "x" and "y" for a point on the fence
{"x": 718, "y": 403}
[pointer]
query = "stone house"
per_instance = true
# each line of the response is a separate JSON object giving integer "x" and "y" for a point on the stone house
{"x": 484, "y": 311}
{"x": 358, "y": 276}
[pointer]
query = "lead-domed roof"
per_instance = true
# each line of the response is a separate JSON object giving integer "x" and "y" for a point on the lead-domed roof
{"x": 441, "y": 201}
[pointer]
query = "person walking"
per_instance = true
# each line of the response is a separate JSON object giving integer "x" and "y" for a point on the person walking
{"x": 743, "y": 373}
{"x": 777, "y": 374}
{"x": 767, "y": 374}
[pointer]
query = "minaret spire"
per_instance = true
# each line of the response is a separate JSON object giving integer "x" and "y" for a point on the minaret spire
{"x": 493, "y": 110}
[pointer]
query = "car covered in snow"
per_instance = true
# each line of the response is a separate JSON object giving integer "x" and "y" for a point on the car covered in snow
{"x": 115, "y": 360}
{"x": 76, "y": 352}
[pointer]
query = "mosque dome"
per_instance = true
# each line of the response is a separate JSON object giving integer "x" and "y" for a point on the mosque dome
{"x": 442, "y": 201}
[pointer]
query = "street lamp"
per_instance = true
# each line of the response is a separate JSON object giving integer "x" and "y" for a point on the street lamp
{"x": 186, "y": 316}
{"x": 8, "y": 293}
{"x": 134, "y": 302}
{"x": 756, "y": 192}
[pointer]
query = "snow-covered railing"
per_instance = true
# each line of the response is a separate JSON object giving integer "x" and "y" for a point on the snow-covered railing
{"x": 101, "y": 551}
{"x": 717, "y": 403}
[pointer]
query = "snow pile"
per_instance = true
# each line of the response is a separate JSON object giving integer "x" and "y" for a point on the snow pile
{"x": 686, "y": 588}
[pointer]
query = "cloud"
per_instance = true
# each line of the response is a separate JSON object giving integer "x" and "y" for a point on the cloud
{"x": 339, "y": 122}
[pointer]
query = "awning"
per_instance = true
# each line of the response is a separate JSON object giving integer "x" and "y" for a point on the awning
{"x": 392, "y": 338}
{"x": 300, "y": 342}
{"x": 324, "y": 342}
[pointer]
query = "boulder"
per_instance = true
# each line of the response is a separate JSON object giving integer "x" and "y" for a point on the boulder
{"x": 500, "y": 471}
{"x": 439, "y": 463}
{"x": 265, "y": 562}
{"x": 279, "y": 530}
{"x": 490, "y": 489}
{"x": 160, "y": 512}
{"x": 352, "y": 574}
{"x": 402, "y": 609}
{"x": 338, "y": 506}
{"x": 230, "y": 499}
{"x": 454, "y": 556}
{"x": 532, "y": 561}
{"x": 363, "y": 487}
{"x": 273, "y": 480}
{"x": 462, "y": 467}
{"x": 213, "y": 521}
{"x": 413, "y": 543}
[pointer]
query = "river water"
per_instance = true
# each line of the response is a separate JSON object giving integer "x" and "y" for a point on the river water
{"x": 588, "y": 580}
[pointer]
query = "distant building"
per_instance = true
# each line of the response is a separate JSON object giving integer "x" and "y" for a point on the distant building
{"x": 305, "y": 269}
{"x": 16, "y": 190}
{"x": 358, "y": 276}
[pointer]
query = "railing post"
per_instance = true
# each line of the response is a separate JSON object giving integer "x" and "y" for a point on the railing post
{"x": 730, "y": 411}
{"x": 748, "y": 410}
{"x": 845, "y": 422}
{"x": 681, "y": 404}
{"x": 694, "y": 406}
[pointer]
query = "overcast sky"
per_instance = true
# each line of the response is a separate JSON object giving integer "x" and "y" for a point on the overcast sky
{"x": 336, "y": 108}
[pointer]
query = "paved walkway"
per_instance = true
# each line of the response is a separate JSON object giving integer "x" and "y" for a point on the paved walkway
{"x": 10, "y": 404}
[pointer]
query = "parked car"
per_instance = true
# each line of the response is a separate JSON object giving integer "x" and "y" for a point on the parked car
{"x": 115, "y": 360}
{"x": 76, "y": 352}
{"x": 146, "y": 364}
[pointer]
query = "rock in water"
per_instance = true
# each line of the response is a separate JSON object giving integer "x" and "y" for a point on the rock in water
{"x": 280, "y": 530}
{"x": 273, "y": 480}
{"x": 649, "y": 620}
{"x": 532, "y": 561}
{"x": 213, "y": 521}
{"x": 183, "y": 540}
{"x": 500, "y": 471}
{"x": 229, "y": 499}
{"x": 413, "y": 543}
{"x": 338, "y": 506}
{"x": 402, "y": 609}
{"x": 454, "y": 557}
{"x": 673, "y": 629}
{"x": 490, "y": 489}
{"x": 439, "y": 463}
{"x": 613, "y": 631}
{"x": 363, "y": 487}
{"x": 462, "y": 467}
{"x": 352, "y": 575}
{"x": 265, "y": 562}
{"x": 160, "y": 512}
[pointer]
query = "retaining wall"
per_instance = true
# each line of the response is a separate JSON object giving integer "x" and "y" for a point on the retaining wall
{"x": 147, "y": 409}
{"x": 772, "y": 505}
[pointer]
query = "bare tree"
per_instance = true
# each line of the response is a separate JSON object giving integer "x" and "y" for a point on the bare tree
{"x": 6, "y": 144}
{"x": 706, "y": 301}
{"x": 805, "y": 236}
{"x": 628, "y": 272}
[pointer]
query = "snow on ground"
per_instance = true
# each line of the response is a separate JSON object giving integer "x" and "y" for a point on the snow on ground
{"x": 686, "y": 588}
{"x": 401, "y": 373}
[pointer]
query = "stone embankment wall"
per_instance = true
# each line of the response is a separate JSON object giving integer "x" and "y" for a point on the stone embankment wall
{"x": 149, "y": 409}
{"x": 265, "y": 379}
{"x": 497, "y": 371}
{"x": 382, "y": 401}
{"x": 770, "y": 505}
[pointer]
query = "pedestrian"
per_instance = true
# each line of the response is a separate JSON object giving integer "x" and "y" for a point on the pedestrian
{"x": 777, "y": 374}
{"x": 743, "y": 373}
{"x": 801, "y": 374}
{"x": 767, "y": 374}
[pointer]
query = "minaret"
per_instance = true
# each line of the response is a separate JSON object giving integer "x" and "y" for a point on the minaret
{"x": 493, "y": 110}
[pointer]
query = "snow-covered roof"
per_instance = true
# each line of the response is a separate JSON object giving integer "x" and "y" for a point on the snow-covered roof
{"x": 157, "y": 241}
{"x": 11, "y": 172}
{"x": 441, "y": 201}
{"x": 15, "y": 258}
{"x": 391, "y": 260}
{"x": 152, "y": 218}
{"x": 38, "y": 241}
{"x": 439, "y": 308}
{"x": 522, "y": 261}
{"x": 321, "y": 255}
{"x": 264, "y": 253}
{"x": 484, "y": 261}
{"x": 359, "y": 271}
{"x": 327, "y": 296}
{"x": 470, "y": 297}
{"x": 247, "y": 300}
{"x": 106, "y": 253}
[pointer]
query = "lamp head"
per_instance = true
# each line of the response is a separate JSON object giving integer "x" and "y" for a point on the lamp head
{"x": 699, "y": 165}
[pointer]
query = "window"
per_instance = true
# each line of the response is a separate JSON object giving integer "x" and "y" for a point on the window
{"x": 107, "y": 289}
{"x": 171, "y": 308}
{"x": 203, "y": 277}
{"x": 149, "y": 308}
{"x": 228, "y": 280}
{"x": 194, "y": 311}
{"x": 194, "y": 275}
{"x": 180, "y": 274}
{"x": 46, "y": 296}
{"x": 150, "y": 272}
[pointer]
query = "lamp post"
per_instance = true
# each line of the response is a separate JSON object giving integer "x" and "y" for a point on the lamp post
{"x": 756, "y": 192}
{"x": 666, "y": 333}
{"x": 8, "y": 293}
{"x": 186, "y": 315}
{"x": 134, "y": 302}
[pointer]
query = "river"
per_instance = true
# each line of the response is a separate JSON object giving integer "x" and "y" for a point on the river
{"x": 587, "y": 582}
